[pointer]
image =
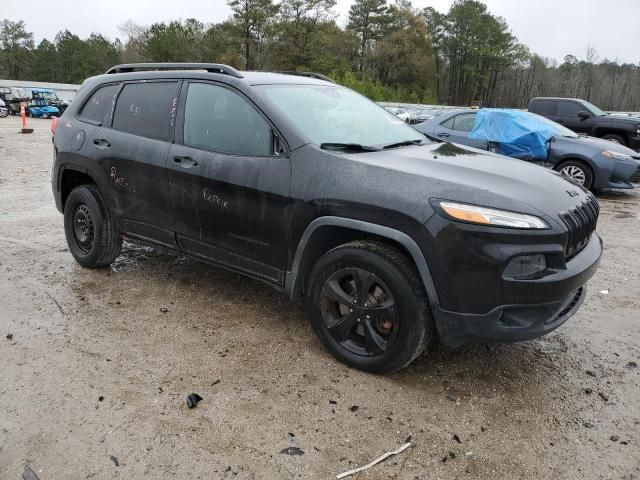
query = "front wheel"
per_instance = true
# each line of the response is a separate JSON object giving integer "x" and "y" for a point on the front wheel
{"x": 368, "y": 307}
{"x": 615, "y": 139}
{"x": 578, "y": 172}
{"x": 92, "y": 235}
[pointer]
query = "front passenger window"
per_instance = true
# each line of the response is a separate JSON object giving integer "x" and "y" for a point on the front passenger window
{"x": 220, "y": 120}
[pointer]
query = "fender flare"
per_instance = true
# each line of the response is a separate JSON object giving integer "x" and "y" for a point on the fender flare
{"x": 292, "y": 279}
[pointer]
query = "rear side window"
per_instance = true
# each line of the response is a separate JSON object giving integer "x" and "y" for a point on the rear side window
{"x": 544, "y": 107}
{"x": 218, "y": 119}
{"x": 98, "y": 107}
{"x": 465, "y": 122}
{"x": 448, "y": 123}
{"x": 146, "y": 109}
{"x": 569, "y": 109}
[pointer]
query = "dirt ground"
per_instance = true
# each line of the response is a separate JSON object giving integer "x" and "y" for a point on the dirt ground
{"x": 94, "y": 379}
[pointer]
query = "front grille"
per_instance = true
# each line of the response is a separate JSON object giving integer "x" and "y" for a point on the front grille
{"x": 580, "y": 222}
{"x": 635, "y": 178}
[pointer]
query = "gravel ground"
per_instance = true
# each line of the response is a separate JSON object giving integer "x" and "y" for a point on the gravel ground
{"x": 94, "y": 378}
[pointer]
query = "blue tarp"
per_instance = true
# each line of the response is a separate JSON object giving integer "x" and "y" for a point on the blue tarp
{"x": 517, "y": 134}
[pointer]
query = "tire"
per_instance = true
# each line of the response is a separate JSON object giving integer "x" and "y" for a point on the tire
{"x": 615, "y": 139}
{"x": 394, "y": 315}
{"x": 4, "y": 113}
{"x": 578, "y": 171}
{"x": 92, "y": 236}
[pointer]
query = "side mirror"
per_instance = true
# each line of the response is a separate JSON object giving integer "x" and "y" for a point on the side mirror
{"x": 583, "y": 115}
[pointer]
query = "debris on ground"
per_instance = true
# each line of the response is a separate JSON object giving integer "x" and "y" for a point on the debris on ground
{"x": 215, "y": 383}
{"x": 332, "y": 402}
{"x": 451, "y": 398}
{"x": 164, "y": 309}
{"x": 604, "y": 292}
{"x": 292, "y": 451}
{"x": 114, "y": 460}
{"x": 457, "y": 438}
{"x": 590, "y": 373}
{"x": 614, "y": 438}
{"x": 632, "y": 365}
{"x": 193, "y": 399}
{"x": 588, "y": 425}
{"x": 375, "y": 462}
{"x": 29, "y": 474}
{"x": 354, "y": 408}
{"x": 588, "y": 391}
{"x": 9, "y": 336}
{"x": 100, "y": 398}
{"x": 603, "y": 396}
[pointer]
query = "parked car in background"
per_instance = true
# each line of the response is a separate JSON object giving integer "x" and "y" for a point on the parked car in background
{"x": 399, "y": 112}
{"x": 389, "y": 239}
{"x": 592, "y": 162}
{"x": 585, "y": 118}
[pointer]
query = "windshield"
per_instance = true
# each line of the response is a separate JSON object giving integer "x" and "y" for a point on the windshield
{"x": 559, "y": 129}
{"x": 330, "y": 114}
{"x": 593, "y": 109}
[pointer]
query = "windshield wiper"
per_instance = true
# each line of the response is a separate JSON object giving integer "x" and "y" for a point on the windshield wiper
{"x": 403, "y": 144}
{"x": 354, "y": 147}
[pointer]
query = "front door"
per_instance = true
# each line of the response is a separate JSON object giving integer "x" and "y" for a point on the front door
{"x": 230, "y": 192}
{"x": 567, "y": 115}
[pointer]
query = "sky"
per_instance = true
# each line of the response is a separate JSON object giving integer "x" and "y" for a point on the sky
{"x": 550, "y": 28}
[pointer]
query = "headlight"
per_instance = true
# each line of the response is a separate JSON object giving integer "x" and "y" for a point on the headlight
{"x": 488, "y": 216}
{"x": 615, "y": 155}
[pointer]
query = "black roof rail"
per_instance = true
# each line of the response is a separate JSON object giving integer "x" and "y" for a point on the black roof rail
{"x": 209, "y": 67}
{"x": 319, "y": 76}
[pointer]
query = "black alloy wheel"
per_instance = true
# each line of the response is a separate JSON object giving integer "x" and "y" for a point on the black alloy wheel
{"x": 359, "y": 311}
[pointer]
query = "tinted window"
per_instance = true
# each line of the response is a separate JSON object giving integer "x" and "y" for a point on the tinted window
{"x": 99, "y": 105}
{"x": 544, "y": 107}
{"x": 464, "y": 122}
{"x": 448, "y": 123}
{"x": 146, "y": 109}
{"x": 218, "y": 119}
{"x": 569, "y": 109}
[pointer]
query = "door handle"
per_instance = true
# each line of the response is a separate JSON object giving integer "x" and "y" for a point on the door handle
{"x": 185, "y": 162}
{"x": 443, "y": 134}
{"x": 101, "y": 143}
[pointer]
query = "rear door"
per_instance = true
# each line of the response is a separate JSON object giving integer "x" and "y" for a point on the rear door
{"x": 230, "y": 191}
{"x": 456, "y": 129}
{"x": 132, "y": 149}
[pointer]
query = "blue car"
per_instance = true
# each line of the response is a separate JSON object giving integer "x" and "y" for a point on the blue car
{"x": 40, "y": 105}
{"x": 591, "y": 162}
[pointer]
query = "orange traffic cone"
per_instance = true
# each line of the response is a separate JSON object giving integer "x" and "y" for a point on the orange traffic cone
{"x": 23, "y": 114}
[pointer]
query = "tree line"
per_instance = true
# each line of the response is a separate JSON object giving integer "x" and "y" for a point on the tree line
{"x": 387, "y": 51}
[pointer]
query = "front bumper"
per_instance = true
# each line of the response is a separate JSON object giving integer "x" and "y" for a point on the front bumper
{"x": 620, "y": 174}
{"x": 560, "y": 295}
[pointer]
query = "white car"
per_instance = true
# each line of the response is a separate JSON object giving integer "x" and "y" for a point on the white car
{"x": 401, "y": 113}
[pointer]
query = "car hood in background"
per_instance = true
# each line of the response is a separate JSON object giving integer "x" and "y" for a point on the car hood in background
{"x": 598, "y": 145}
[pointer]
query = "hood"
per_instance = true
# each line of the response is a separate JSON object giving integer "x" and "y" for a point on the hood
{"x": 599, "y": 145}
{"x": 464, "y": 174}
{"x": 622, "y": 120}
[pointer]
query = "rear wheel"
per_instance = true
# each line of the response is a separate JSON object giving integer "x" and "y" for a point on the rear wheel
{"x": 615, "y": 139}
{"x": 578, "y": 172}
{"x": 368, "y": 307}
{"x": 92, "y": 236}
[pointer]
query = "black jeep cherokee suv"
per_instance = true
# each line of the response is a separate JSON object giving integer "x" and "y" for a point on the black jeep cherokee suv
{"x": 390, "y": 240}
